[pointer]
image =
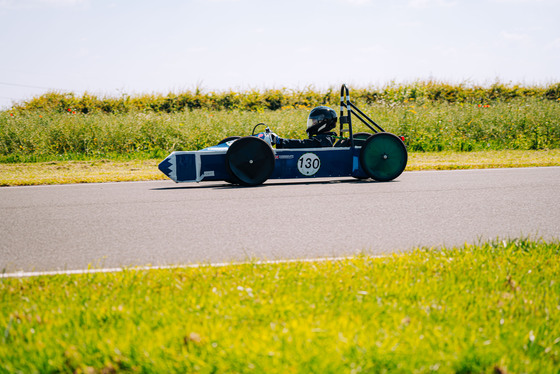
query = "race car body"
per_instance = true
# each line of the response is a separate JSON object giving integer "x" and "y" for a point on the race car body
{"x": 251, "y": 160}
{"x": 209, "y": 164}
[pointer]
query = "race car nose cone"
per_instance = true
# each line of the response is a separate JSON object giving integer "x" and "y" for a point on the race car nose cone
{"x": 168, "y": 168}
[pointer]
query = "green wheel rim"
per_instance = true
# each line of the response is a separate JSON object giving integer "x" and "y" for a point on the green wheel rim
{"x": 383, "y": 157}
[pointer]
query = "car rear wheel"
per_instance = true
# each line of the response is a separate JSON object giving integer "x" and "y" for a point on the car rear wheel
{"x": 249, "y": 161}
{"x": 383, "y": 157}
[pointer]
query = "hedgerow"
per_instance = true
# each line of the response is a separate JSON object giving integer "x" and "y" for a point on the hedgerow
{"x": 431, "y": 116}
{"x": 275, "y": 99}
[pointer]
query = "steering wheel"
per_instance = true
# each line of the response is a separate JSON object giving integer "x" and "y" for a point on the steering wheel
{"x": 260, "y": 124}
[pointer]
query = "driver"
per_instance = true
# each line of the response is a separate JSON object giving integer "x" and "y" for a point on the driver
{"x": 321, "y": 120}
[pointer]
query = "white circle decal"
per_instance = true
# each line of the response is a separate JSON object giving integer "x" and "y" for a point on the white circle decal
{"x": 308, "y": 164}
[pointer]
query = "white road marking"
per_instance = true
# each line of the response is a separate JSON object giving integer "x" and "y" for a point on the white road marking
{"x": 26, "y": 274}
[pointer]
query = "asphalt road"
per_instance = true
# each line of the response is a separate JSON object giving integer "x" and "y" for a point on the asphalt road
{"x": 45, "y": 228}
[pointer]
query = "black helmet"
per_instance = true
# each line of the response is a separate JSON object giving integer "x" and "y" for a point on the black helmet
{"x": 321, "y": 119}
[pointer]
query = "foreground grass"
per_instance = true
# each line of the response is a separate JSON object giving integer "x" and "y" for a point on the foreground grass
{"x": 488, "y": 308}
{"x": 97, "y": 171}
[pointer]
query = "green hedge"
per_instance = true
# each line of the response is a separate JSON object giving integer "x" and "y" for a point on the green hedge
{"x": 520, "y": 123}
{"x": 275, "y": 99}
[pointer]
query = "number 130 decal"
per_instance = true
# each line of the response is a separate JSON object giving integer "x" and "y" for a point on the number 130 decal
{"x": 308, "y": 164}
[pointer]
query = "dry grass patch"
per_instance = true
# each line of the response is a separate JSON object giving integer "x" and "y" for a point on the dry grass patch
{"x": 482, "y": 160}
{"x": 60, "y": 172}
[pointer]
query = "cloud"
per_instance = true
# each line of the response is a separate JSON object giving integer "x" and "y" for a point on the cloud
{"x": 431, "y": 3}
{"x": 523, "y": 1}
{"x": 357, "y": 2}
{"x": 555, "y": 44}
{"x": 62, "y": 2}
{"x": 515, "y": 37}
{"x": 37, "y": 4}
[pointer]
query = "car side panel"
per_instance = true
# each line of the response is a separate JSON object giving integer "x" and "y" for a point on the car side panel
{"x": 209, "y": 164}
{"x": 333, "y": 162}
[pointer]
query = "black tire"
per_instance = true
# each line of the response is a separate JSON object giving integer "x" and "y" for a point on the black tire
{"x": 249, "y": 161}
{"x": 228, "y": 139}
{"x": 359, "y": 140}
{"x": 383, "y": 157}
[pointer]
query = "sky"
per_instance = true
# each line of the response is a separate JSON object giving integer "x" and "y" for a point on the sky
{"x": 116, "y": 47}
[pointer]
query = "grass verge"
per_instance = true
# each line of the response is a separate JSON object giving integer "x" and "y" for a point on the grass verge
{"x": 94, "y": 171}
{"x": 58, "y": 172}
{"x": 482, "y": 159}
{"x": 494, "y": 307}
{"x": 521, "y": 124}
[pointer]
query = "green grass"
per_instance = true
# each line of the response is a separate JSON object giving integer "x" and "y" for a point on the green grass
{"x": 433, "y": 117}
{"x": 492, "y": 308}
{"x": 522, "y": 124}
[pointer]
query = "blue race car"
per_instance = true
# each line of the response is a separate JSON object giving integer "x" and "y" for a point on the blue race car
{"x": 251, "y": 160}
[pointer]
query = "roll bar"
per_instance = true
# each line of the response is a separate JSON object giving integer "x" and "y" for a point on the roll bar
{"x": 347, "y": 106}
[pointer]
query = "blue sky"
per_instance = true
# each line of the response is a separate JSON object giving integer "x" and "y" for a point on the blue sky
{"x": 111, "y": 47}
